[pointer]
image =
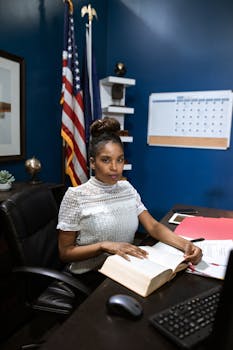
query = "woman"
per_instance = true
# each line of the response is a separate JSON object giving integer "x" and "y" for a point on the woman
{"x": 101, "y": 216}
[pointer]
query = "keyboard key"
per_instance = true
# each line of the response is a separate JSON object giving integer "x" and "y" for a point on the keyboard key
{"x": 189, "y": 322}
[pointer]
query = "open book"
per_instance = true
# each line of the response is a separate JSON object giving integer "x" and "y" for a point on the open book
{"x": 214, "y": 260}
{"x": 144, "y": 276}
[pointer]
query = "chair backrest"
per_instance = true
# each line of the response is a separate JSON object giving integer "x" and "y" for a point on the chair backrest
{"x": 29, "y": 225}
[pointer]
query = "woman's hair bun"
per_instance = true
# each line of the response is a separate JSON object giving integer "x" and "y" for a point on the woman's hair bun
{"x": 105, "y": 125}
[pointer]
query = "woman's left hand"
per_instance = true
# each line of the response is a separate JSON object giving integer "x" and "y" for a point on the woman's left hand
{"x": 192, "y": 253}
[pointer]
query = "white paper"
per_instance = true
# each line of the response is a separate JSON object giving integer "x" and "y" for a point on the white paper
{"x": 216, "y": 251}
{"x": 214, "y": 260}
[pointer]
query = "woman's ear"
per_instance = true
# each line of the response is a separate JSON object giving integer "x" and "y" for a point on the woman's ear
{"x": 92, "y": 163}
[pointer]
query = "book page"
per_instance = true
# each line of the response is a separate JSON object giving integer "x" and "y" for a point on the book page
{"x": 166, "y": 248}
{"x": 214, "y": 251}
{"x": 143, "y": 276}
{"x": 169, "y": 259}
{"x": 144, "y": 267}
{"x": 135, "y": 274}
{"x": 214, "y": 260}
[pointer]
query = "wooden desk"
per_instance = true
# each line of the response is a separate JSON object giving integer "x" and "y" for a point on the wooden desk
{"x": 90, "y": 327}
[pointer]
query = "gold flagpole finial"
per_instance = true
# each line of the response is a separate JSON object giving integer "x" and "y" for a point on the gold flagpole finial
{"x": 90, "y": 11}
{"x": 71, "y": 6}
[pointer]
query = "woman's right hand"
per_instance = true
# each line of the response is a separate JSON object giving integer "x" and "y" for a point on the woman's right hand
{"x": 123, "y": 249}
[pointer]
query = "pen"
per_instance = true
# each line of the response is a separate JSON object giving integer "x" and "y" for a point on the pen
{"x": 192, "y": 268}
{"x": 185, "y": 211}
{"x": 197, "y": 239}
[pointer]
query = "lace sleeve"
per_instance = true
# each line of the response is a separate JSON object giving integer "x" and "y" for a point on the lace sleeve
{"x": 68, "y": 218}
{"x": 139, "y": 205}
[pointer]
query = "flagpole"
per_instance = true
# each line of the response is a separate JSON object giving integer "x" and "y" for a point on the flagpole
{"x": 91, "y": 13}
{"x": 89, "y": 59}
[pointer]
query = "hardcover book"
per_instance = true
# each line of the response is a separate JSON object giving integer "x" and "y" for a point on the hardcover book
{"x": 144, "y": 276}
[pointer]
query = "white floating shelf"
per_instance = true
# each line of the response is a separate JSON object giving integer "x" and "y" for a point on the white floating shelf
{"x": 117, "y": 110}
{"x": 115, "y": 107}
{"x": 128, "y": 167}
{"x": 118, "y": 80}
{"x": 127, "y": 138}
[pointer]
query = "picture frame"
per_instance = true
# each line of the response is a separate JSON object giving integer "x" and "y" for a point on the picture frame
{"x": 12, "y": 107}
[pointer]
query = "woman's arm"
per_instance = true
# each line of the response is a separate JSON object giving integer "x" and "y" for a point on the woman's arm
{"x": 162, "y": 233}
{"x": 69, "y": 251}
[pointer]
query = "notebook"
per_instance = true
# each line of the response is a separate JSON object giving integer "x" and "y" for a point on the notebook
{"x": 211, "y": 330}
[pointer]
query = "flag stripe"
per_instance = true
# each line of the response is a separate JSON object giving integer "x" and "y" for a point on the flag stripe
{"x": 74, "y": 162}
{"x": 73, "y": 126}
{"x": 73, "y": 123}
{"x": 71, "y": 141}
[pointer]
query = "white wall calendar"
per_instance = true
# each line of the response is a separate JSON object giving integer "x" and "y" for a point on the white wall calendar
{"x": 197, "y": 119}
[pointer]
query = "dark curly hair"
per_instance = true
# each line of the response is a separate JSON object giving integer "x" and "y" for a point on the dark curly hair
{"x": 103, "y": 131}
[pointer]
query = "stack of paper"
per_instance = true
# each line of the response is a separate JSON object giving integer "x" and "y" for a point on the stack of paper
{"x": 214, "y": 260}
{"x": 216, "y": 246}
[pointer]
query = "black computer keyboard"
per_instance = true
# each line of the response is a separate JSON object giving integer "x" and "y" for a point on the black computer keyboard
{"x": 189, "y": 322}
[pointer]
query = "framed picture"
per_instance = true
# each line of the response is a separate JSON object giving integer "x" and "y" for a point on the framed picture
{"x": 12, "y": 107}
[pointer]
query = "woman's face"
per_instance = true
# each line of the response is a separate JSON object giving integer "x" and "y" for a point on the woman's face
{"x": 108, "y": 163}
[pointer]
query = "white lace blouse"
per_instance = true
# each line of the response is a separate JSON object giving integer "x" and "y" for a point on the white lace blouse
{"x": 100, "y": 212}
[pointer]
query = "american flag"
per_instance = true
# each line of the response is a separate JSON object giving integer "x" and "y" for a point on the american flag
{"x": 73, "y": 126}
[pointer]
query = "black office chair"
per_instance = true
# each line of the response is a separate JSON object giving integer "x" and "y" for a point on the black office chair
{"x": 29, "y": 220}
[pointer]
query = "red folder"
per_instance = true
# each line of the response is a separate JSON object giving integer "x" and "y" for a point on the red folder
{"x": 206, "y": 227}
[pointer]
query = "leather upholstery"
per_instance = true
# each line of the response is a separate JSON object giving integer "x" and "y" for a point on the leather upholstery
{"x": 29, "y": 225}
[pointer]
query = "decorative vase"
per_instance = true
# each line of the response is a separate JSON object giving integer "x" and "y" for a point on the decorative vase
{"x": 5, "y": 187}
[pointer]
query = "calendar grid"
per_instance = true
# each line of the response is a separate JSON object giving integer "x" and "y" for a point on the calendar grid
{"x": 190, "y": 119}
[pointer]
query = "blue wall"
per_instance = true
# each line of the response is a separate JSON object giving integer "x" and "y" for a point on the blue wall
{"x": 167, "y": 45}
{"x": 171, "y": 46}
{"x": 33, "y": 29}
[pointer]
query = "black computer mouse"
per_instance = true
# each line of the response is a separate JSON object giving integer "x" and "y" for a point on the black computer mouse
{"x": 124, "y": 305}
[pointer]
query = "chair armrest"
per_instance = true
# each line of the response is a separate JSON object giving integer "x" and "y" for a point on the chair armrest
{"x": 54, "y": 274}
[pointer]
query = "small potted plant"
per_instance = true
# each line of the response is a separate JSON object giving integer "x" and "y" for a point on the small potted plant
{"x": 6, "y": 180}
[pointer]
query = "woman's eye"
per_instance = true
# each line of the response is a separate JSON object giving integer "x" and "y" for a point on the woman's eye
{"x": 121, "y": 160}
